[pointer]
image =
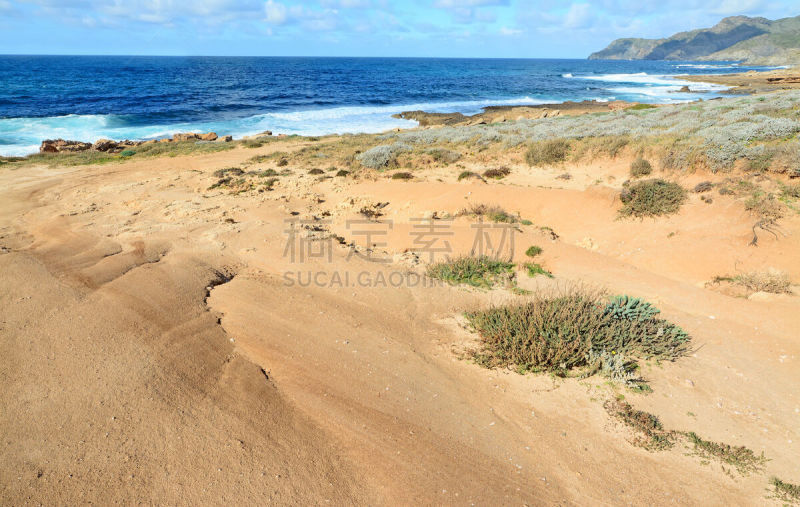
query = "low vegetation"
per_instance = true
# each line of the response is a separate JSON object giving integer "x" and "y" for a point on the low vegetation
{"x": 469, "y": 175}
{"x": 640, "y": 167}
{"x": 444, "y": 156}
{"x": 744, "y": 460}
{"x": 651, "y": 198}
{"x": 570, "y": 331}
{"x": 497, "y": 174}
{"x": 535, "y": 270}
{"x": 402, "y": 176}
{"x": 785, "y": 492}
{"x": 548, "y": 152}
{"x": 492, "y": 213}
{"x": 482, "y": 271}
{"x": 775, "y": 282}
{"x": 533, "y": 251}
{"x": 648, "y": 431}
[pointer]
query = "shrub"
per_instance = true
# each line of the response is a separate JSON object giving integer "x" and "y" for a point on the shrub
{"x": 383, "y": 156}
{"x": 342, "y": 173}
{"x": 547, "y": 152}
{"x": 533, "y": 251}
{"x": 651, "y": 198}
{"x": 482, "y": 271}
{"x": 640, "y": 167}
{"x": 702, "y": 187}
{"x": 127, "y": 153}
{"x": 628, "y": 308}
{"x": 791, "y": 191}
{"x": 497, "y": 174}
{"x": 316, "y": 171}
{"x": 402, "y": 176}
{"x": 444, "y": 155}
{"x": 535, "y": 270}
{"x": 640, "y": 107}
{"x": 267, "y": 173}
{"x": 468, "y": 174}
{"x": 283, "y": 162}
{"x": 490, "y": 212}
{"x": 559, "y": 333}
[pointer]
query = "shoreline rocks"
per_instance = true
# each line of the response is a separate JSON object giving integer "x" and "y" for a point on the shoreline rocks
{"x": 110, "y": 146}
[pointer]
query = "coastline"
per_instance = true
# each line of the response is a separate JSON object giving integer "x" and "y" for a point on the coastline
{"x": 752, "y": 82}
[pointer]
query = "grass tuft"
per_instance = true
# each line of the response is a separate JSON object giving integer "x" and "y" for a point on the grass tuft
{"x": 533, "y": 251}
{"x": 497, "y": 174}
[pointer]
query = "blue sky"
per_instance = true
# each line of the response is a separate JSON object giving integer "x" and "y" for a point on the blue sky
{"x": 448, "y": 28}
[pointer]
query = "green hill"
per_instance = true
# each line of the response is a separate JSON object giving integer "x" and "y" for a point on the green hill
{"x": 740, "y": 38}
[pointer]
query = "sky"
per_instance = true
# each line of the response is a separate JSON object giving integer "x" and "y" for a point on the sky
{"x": 418, "y": 28}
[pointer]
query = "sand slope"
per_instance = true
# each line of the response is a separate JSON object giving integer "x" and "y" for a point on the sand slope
{"x": 153, "y": 352}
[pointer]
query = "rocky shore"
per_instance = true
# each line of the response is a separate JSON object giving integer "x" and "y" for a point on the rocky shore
{"x": 109, "y": 146}
{"x": 500, "y": 114}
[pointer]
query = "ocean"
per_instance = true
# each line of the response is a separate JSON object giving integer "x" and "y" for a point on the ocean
{"x": 86, "y": 98}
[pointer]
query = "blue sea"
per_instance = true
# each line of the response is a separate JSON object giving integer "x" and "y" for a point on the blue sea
{"x": 90, "y": 97}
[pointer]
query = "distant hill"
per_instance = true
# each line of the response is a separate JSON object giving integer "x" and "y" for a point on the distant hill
{"x": 739, "y": 38}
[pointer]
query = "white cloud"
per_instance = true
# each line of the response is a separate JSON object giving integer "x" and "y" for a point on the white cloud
{"x": 509, "y": 32}
{"x": 579, "y": 16}
{"x": 276, "y": 13}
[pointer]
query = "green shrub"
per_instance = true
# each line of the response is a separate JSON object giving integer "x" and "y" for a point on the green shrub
{"x": 651, "y": 198}
{"x": 639, "y": 107}
{"x": 626, "y": 307}
{"x": 533, "y": 251}
{"x": 482, "y": 271}
{"x": 640, "y": 167}
{"x": 552, "y": 151}
{"x": 342, "y": 173}
{"x": 535, "y": 270}
{"x": 402, "y": 176}
{"x": 561, "y": 332}
{"x": 127, "y": 153}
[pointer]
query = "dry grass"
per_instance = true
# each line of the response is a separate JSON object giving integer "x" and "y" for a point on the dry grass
{"x": 548, "y": 152}
{"x": 772, "y": 281}
{"x": 785, "y": 492}
{"x": 640, "y": 167}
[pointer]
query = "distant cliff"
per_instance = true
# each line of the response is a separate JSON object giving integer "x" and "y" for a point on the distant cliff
{"x": 739, "y": 38}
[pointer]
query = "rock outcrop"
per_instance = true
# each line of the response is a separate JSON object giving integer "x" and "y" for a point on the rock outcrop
{"x": 109, "y": 146}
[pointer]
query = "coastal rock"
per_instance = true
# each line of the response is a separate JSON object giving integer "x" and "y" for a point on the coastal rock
{"x": 225, "y": 139}
{"x": 188, "y": 136}
{"x": 105, "y": 145}
{"x": 211, "y": 136}
{"x": 60, "y": 145}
